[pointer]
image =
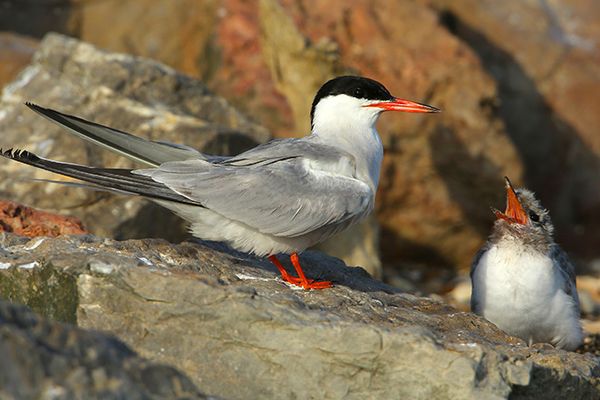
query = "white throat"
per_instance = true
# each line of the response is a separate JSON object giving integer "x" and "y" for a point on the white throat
{"x": 343, "y": 121}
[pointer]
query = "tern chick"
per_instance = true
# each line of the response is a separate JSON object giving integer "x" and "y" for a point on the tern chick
{"x": 522, "y": 281}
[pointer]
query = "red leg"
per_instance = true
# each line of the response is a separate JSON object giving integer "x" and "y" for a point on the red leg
{"x": 284, "y": 274}
{"x": 301, "y": 280}
{"x": 305, "y": 283}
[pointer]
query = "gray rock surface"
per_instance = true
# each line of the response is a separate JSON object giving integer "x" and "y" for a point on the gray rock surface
{"x": 239, "y": 332}
{"x": 48, "y": 360}
{"x": 128, "y": 93}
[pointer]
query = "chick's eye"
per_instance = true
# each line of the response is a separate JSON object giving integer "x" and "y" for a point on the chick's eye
{"x": 534, "y": 217}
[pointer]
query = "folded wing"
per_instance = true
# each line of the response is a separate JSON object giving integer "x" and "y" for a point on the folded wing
{"x": 282, "y": 197}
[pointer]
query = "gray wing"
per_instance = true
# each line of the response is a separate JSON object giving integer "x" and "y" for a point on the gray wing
{"x": 130, "y": 146}
{"x": 284, "y": 149}
{"x": 285, "y": 188}
{"x": 565, "y": 267}
{"x": 474, "y": 264}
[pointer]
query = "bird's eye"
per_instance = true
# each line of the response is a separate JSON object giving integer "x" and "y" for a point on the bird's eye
{"x": 358, "y": 92}
{"x": 534, "y": 217}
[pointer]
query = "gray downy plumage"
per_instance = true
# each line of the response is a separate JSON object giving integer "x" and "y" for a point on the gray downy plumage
{"x": 523, "y": 281}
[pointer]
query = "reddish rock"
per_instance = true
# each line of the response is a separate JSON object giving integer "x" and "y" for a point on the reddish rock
{"x": 26, "y": 221}
{"x": 544, "y": 58}
{"x": 242, "y": 74}
{"x": 174, "y": 32}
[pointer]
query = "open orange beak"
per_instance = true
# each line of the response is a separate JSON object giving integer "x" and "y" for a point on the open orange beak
{"x": 404, "y": 105}
{"x": 514, "y": 210}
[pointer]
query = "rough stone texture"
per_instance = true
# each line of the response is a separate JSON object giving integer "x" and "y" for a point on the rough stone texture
{"x": 49, "y": 360}
{"x": 26, "y": 221}
{"x": 543, "y": 56}
{"x": 239, "y": 332}
{"x": 357, "y": 246}
{"x": 128, "y": 93}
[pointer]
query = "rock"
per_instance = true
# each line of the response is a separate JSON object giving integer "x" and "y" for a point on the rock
{"x": 42, "y": 359}
{"x": 591, "y": 285}
{"x": 298, "y": 68}
{"x": 239, "y": 332}
{"x": 240, "y": 71}
{"x": 178, "y": 33}
{"x": 358, "y": 246}
{"x": 543, "y": 57}
{"x": 125, "y": 92}
{"x": 26, "y": 221}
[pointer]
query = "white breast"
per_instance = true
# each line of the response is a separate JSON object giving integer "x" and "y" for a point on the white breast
{"x": 520, "y": 291}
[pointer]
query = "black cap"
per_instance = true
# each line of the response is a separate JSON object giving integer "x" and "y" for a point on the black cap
{"x": 354, "y": 86}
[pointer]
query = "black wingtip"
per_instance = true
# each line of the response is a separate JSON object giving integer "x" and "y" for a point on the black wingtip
{"x": 35, "y": 107}
{"x": 18, "y": 155}
{"x": 6, "y": 153}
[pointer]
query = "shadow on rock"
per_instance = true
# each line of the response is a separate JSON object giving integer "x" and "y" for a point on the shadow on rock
{"x": 154, "y": 221}
{"x": 471, "y": 191}
{"x": 316, "y": 265}
{"x": 41, "y": 357}
{"x": 410, "y": 250}
{"x": 558, "y": 165}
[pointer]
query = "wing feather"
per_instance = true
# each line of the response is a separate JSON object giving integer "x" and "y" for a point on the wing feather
{"x": 566, "y": 268}
{"x": 130, "y": 146}
{"x": 284, "y": 198}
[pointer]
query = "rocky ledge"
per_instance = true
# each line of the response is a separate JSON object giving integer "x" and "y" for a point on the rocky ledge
{"x": 48, "y": 360}
{"x": 227, "y": 321}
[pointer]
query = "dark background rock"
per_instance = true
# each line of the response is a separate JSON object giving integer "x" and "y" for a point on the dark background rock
{"x": 49, "y": 360}
{"x": 230, "y": 323}
{"x": 543, "y": 56}
{"x": 517, "y": 82}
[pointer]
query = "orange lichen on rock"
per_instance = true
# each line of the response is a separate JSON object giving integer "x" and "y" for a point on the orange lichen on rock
{"x": 26, "y": 221}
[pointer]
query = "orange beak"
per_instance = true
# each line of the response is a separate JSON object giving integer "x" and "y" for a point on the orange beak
{"x": 514, "y": 210}
{"x": 404, "y": 105}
